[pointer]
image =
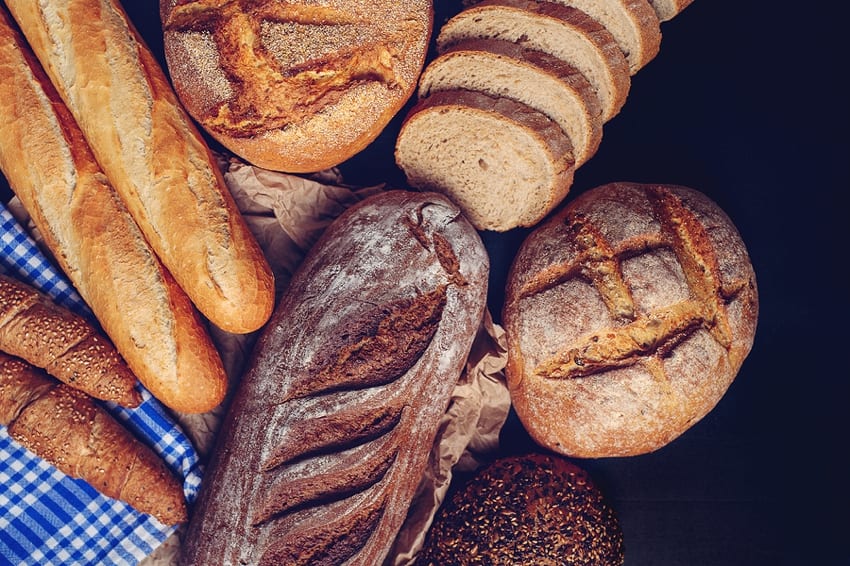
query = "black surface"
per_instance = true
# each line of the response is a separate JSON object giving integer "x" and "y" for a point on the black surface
{"x": 745, "y": 102}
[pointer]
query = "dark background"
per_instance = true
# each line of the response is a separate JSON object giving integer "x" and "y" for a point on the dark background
{"x": 745, "y": 102}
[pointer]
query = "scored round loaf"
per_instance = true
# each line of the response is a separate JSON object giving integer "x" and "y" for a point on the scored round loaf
{"x": 562, "y": 31}
{"x": 527, "y": 510}
{"x": 295, "y": 87}
{"x": 627, "y": 315}
{"x": 540, "y": 80}
{"x": 502, "y": 162}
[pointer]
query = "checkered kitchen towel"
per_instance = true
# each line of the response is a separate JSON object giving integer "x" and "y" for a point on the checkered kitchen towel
{"x": 48, "y": 518}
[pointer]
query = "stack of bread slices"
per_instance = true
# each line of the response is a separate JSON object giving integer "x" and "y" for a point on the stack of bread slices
{"x": 516, "y": 100}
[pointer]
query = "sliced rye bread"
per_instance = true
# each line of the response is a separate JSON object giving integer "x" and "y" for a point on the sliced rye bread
{"x": 544, "y": 82}
{"x": 669, "y": 9}
{"x": 633, "y": 23}
{"x": 562, "y": 31}
{"x": 503, "y": 163}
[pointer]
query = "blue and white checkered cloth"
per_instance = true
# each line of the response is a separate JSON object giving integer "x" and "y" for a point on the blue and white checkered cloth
{"x": 48, "y": 518}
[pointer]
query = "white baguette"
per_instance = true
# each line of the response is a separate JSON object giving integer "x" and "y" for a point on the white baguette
{"x": 152, "y": 154}
{"x": 92, "y": 236}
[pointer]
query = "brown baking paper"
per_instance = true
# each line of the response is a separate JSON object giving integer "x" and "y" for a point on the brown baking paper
{"x": 287, "y": 214}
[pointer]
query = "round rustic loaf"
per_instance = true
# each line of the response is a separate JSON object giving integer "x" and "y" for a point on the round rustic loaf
{"x": 295, "y": 87}
{"x": 530, "y": 509}
{"x": 627, "y": 315}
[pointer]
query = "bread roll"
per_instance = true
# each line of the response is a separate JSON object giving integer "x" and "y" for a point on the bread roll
{"x": 324, "y": 445}
{"x": 63, "y": 343}
{"x": 526, "y": 510}
{"x": 67, "y": 428}
{"x": 144, "y": 313}
{"x": 627, "y": 316}
{"x": 152, "y": 155}
{"x": 295, "y": 87}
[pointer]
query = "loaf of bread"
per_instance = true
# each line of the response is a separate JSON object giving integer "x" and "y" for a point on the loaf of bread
{"x": 634, "y": 25}
{"x": 326, "y": 440}
{"x": 504, "y": 163}
{"x": 562, "y": 31}
{"x": 65, "y": 427}
{"x": 62, "y": 343}
{"x": 295, "y": 87}
{"x": 152, "y": 154}
{"x": 141, "y": 309}
{"x": 627, "y": 316}
{"x": 526, "y": 510}
{"x": 505, "y": 69}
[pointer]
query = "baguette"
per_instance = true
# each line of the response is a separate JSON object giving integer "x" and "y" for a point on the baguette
{"x": 152, "y": 154}
{"x": 89, "y": 231}
{"x": 329, "y": 433}
{"x": 63, "y": 344}
{"x": 65, "y": 427}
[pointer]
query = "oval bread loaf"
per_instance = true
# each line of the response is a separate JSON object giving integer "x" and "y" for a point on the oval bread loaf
{"x": 295, "y": 87}
{"x": 327, "y": 437}
{"x": 627, "y": 317}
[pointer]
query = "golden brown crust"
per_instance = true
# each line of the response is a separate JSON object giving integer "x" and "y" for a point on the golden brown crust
{"x": 627, "y": 317}
{"x": 68, "y": 429}
{"x": 153, "y": 156}
{"x": 89, "y": 231}
{"x": 295, "y": 87}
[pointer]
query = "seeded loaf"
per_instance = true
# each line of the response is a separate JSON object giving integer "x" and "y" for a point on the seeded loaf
{"x": 633, "y": 23}
{"x": 669, "y": 9}
{"x": 326, "y": 440}
{"x": 562, "y": 31}
{"x": 505, "y": 164}
{"x": 526, "y": 510}
{"x": 546, "y": 83}
{"x": 295, "y": 87}
{"x": 627, "y": 316}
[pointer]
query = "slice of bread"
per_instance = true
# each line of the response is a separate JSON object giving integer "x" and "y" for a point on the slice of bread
{"x": 502, "y": 162}
{"x": 544, "y": 82}
{"x": 562, "y": 31}
{"x": 669, "y": 9}
{"x": 633, "y": 23}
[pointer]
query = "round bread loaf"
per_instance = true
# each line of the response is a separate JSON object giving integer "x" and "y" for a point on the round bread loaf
{"x": 295, "y": 87}
{"x": 627, "y": 316}
{"x": 531, "y": 509}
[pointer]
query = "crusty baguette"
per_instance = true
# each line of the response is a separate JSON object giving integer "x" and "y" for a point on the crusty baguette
{"x": 65, "y": 427}
{"x": 152, "y": 154}
{"x": 142, "y": 310}
{"x": 62, "y": 343}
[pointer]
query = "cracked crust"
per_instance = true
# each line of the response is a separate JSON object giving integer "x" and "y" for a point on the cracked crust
{"x": 628, "y": 316}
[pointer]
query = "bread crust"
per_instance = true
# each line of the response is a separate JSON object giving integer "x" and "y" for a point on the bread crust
{"x": 91, "y": 234}
{"x": 327, "y": 437}
{"x": 627, "y": 316}
{"x": 152, "y": 154}
{"x": 310, "y": 86}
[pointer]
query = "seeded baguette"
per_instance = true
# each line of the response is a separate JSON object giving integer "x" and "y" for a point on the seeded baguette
{"x": 152, "y": 155}
{"x": 141, "y": 309}
{"x": 65, "y": 427}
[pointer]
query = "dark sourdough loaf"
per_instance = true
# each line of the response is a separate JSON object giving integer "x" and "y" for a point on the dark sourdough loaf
{"x": 627, "y": 316}
{"x": 532, "y": 509}
{"x": 327, "y": 437}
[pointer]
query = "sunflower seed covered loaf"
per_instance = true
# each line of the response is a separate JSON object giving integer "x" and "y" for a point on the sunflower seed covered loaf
{"x": 627, "y": 316}
{"x": 328, "y": 435}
